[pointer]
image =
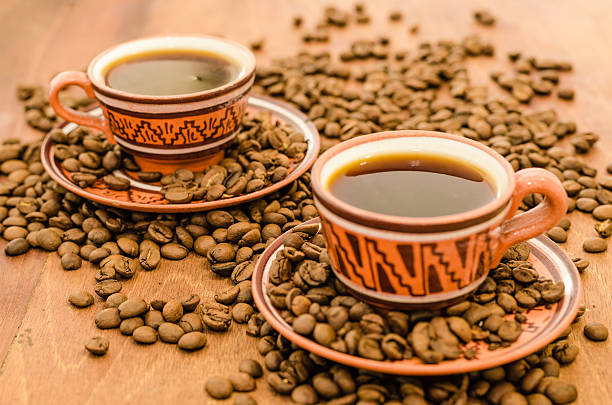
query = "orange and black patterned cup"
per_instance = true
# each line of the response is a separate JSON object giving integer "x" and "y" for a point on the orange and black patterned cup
{"x": 164, "y": 133}
{"x": 405, "y": 262}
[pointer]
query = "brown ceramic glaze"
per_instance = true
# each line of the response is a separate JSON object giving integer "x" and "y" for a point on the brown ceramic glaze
{"x": 164, "y": 133}
{"x": 404, "y": 262}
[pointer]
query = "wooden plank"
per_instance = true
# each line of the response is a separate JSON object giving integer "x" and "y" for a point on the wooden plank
{"x": 46, "y": 362}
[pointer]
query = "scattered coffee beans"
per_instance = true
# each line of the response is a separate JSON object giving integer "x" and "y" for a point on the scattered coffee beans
{"x": 97, "y": 345}
{"x": 219, "y": 387}
{"x": 596, "y": 331}
{"x": 81, "y": 299}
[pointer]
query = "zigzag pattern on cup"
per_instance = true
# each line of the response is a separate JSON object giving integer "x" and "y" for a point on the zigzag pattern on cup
{"x": 177, "y": 132}
{"x": 410, "y": 269}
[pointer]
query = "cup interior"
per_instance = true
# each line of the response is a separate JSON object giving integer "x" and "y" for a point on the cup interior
{"x": 460, "y": 152}
{"x": 235, "y": 53}
{"x": 492, "y": 166}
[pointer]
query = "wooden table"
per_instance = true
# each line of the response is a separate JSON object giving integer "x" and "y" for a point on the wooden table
{"x": 41, "y": 336}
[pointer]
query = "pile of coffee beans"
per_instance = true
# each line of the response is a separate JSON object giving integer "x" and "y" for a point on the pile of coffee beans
{"x": 372, "y": 86}
{"x": 316, "y": 305}
{"x": 172, "y": 321}
{"x": 263, "y": 152}
{"x": 38, "y": 112}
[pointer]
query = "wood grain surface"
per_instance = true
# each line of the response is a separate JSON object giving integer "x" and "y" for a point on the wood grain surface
{"x": 41, "y": 335}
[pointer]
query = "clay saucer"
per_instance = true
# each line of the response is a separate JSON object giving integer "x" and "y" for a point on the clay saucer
{"x": 542, "y": 325}
{"x": 147, "y": 197}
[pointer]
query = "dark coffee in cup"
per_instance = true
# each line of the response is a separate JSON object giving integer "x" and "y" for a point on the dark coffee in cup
{"x": 412, "y": 185}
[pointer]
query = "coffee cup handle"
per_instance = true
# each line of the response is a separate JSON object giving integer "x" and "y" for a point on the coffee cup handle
{"x": 80, "y": 79}
{"x": 537, "y": 220}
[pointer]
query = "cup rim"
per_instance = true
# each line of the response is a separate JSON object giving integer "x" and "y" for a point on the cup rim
{"x": 237, "y": 82}
{"x": 410, "y": 224}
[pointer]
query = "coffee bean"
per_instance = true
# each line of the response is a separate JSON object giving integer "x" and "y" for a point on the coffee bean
{"x": 114, "y": 300}
{"x": 557, "y": 234}
{"x": 107, "y": 287}
{"x": 241, "y": 312}
{"x": 594, "y": 245}
{"x": 81, "y": 299}
{"x": 251, "y": 367}
{"x": 149, "y": 177}
{"x": 16, "y": 247}
{"x": 144, "y": 335}
{"x": 48, "y": 239}
{"x": 170, "y": 332}
{"x": 242, "y": 382}
{"x": 216, "y": 317}
{"x": 203, "y": 244}
{"x": 596, "y": 331}
{"x": 116, "y": 183}
{"x": 561, "y": 392}
{"x": 191, "y": 322}
{"x": 68, "y": 247}
{"x": 219, "y": 387}
{"x": 97, "y": 345}
{"x": 108, "y": 318}
{"x": 128, "y": 326}
{"x": 173, "y": 311}
{"x": 304, "y": 394}
{"x": 603, "y": 212}
{"x": 150, "y": 255}
{"x": 132, "y": 307}
{"x": 565, "y": 94}
{"x": 192, "y": 341}
{"x": 70, "y": 261}
{"x": 128, "y": 246}
{"x": 153, "y": 318}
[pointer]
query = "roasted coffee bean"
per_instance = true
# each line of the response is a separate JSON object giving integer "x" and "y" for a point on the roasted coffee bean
{"x": 97, "y": 345}
{"x": 251, "y": 367}
{"x": 174, "y": 251}
{"x": 153, "y": 318}
{"x": 114, "y": 300}
{"x": 241, "y": 312}
{"x": 561, "y": 392}
{"x": 191, "y": 322}
{"x": 594, "y": 245}
{"x": 128, "y": 246}
{"x": 596, "y": 331}
{"x": 170, "y": 332}
{"x": 132, "y": 307}
{"x": 107, "y": 287}
{"x": 144, "y": 335}
{"x": 16, "y": 247}
{"x": 228, "y": 296}
{"x": 48, "y": 239}
{"x": 173, "y": 311}
{"x": 216, "y": 317}
{"x": 219, "y": 387}
{"x": 108, "y": 318}
{"x": 242, "y": 382}
{"x": 192, "y": 341}
{"x": 81, "y": 299}
{"x": 116, "y": 183}
{"x": 150, "y": 255}
{"x": 557, "y": 234}
{"x": 149, "y": 177}
{"x": 128, "y": 326}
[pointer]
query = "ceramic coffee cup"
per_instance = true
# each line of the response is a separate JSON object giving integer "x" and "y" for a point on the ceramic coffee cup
{"x": 164, "y": 133}
{"x": 405, "y": 262}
